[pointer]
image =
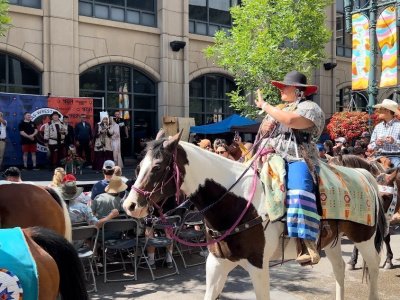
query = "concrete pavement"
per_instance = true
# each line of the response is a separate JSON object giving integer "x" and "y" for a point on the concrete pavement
{"x": 288, "y": 282}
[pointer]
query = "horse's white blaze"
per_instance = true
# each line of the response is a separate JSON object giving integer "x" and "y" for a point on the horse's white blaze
{"x": 133, "y": 195}
{"x": 205, "y": 165}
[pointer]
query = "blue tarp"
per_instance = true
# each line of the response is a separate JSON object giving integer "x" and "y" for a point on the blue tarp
{"x": 223, "y": 126}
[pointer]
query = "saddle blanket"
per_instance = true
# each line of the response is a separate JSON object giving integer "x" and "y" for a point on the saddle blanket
{"x": 345, "y": 193}
{"x": 17, "y": 263}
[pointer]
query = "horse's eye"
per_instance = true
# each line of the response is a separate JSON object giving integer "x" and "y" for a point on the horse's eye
{"x": 156, "y": 168}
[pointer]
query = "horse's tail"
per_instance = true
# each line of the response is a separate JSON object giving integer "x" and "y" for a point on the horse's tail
{"x": 61, "y": 202}
{"x": 381, "y": 225}
{"x": 72, "y": 282}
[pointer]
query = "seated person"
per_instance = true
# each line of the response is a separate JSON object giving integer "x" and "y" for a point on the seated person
{"x": 104, "y": 203}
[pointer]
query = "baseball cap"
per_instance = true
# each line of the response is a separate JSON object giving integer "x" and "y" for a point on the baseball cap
{"x": 341, "y": 140}
{"x": 108, "y": 165}
{"x": 69, "y": 178}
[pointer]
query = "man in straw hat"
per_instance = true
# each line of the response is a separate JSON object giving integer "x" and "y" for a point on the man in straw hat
{"x": 78, "y": 211}
{"x": 104, "y": 203}
{"x": 292, "y": 132}
{"x": 385, "y": 139}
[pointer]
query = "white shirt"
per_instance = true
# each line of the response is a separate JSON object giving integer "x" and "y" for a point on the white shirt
{"x": 3, "y": 131}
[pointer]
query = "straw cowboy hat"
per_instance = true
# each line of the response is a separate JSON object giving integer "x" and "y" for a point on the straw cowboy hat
{"x": 69, "y": 190}
{"x": 388, "y": 104}
{"x": 115, "y": 186}
{"x": 297, "y": 79}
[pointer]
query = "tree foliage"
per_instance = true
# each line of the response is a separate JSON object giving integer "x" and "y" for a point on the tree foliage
{"x": 5, "y": 19}
{"x": 268, "y": 39}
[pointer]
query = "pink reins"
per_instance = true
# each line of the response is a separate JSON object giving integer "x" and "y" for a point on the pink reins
{"x": 176, "y": 175}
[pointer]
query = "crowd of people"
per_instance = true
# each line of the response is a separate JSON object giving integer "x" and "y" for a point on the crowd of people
{"x": 70, "y": 146}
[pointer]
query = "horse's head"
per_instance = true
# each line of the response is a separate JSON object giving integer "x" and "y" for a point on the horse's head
{"x": 156, "y": 175}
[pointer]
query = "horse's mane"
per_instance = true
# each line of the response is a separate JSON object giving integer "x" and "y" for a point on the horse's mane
{"x": 354, "y": 161}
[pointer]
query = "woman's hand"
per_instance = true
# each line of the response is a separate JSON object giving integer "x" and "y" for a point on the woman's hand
{"x": 268, "y": 126}
{"x": 259, "y": 101}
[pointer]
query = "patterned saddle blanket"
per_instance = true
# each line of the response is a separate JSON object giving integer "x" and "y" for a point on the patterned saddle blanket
{"x": 18, "y": 272}
{"x": 345, "y": 193}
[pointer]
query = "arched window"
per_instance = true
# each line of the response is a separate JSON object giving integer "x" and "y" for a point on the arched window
{"x": 17, "y": 76}
{"x": 122, "y": 87}
{"x": 208, "y": 102}
{"x": 347, "y": 99}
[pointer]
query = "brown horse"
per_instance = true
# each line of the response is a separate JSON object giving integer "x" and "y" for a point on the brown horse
{"x": 221, "y": 189}
{"x": 58, "y": 265}
{"x": 27, "y": 205}
{"x": 378, "y": 168}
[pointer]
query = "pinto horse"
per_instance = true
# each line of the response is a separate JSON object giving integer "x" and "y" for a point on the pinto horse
{"x": 219, "y": 188}
{"x": 377, "y": 168}
{"x": 28, "y": 205}
{"x": 59, "y": 268}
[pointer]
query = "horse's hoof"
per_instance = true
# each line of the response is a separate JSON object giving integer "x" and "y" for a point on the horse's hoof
{"x": 388, "y": 266}
{"x": 351, "y": 267}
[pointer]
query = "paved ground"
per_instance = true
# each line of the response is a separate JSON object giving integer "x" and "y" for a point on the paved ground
{"x": 288, "y": 282}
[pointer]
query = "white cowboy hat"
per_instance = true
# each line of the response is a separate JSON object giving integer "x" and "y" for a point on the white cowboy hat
{"x": 388, "y": 104}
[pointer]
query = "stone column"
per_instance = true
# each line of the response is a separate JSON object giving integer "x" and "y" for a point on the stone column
{"x": 173, "y": 91}
{"x": 60, "y": 48}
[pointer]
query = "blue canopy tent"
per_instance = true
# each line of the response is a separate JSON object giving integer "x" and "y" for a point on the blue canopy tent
{"x": 223, "y": 126}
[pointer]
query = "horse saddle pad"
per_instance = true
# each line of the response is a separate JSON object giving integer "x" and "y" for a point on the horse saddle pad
{"x": 18, "y": 272}
{"x": 347, "y": 194}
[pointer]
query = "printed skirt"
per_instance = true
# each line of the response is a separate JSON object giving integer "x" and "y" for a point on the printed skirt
{"x": 302, "y": 215}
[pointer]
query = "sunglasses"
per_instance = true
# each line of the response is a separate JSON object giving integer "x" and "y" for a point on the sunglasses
{"x": 220, "y": 152}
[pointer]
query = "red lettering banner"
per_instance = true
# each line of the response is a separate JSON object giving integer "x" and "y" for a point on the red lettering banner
{"x": 73, "y": 108}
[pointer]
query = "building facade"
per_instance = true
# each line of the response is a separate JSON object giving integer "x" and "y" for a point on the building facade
{"x": 146, "y": 55}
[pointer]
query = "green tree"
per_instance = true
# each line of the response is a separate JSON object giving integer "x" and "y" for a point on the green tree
{"x": 5, "y": 19}
{"x": 268, "y": 39}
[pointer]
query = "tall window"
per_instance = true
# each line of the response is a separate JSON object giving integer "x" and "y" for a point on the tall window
{"x": 18, "y": 77}
{"x": 208, "y": 102}
{"x": 123, "y": 88}
{"x": 29, "y": 3}
{"x": 208, "y": 16}
{"x": 141, "y": 12}
{"x": 347, "y": 100}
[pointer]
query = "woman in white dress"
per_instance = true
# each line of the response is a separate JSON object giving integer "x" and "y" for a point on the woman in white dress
{"x": 116, "y": 142}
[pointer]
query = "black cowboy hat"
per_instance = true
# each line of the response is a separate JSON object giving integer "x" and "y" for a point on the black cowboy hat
{"x": 297, "y": 79}
{"x": 55, "y": 113}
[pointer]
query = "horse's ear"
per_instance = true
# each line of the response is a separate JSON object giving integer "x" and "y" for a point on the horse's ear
{"x": 160, "y": 134}
{"x": 173, "y": 141}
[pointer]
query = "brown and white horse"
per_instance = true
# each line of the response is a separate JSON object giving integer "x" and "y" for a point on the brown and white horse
{"x": 387, "y": 177}
{"x": 207, "y": 179}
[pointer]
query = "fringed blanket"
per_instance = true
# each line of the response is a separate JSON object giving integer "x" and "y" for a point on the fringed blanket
{"x": 345, "y": 193}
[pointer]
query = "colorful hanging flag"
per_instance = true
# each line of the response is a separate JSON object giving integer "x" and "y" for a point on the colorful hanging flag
{"x": 387, "y": 39}
{"x": 360, "y": 65}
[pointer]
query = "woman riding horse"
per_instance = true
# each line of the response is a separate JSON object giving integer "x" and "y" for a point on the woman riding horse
{"x": 297, "y": 126}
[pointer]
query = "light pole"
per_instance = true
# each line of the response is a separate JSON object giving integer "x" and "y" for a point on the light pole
{"x": 371, "y": 12}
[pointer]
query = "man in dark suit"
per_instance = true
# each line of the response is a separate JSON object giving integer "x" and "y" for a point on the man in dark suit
{"x": 70, "y": 136}
{"x": 83, "y": 139}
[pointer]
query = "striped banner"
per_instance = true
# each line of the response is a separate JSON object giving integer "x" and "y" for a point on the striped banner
{"x": 360, "y": 65}
{"x": 387, "y": 39}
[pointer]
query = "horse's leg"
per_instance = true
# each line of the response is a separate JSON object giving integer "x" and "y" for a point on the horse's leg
{"x": 217, "y": 270}
{"x": 334, "y": 254}
{"x": 353, "y": 259}
{"x": 389, "y": 254}
{"x": 372, "y": 259}
{"x": 260, "y": 280}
